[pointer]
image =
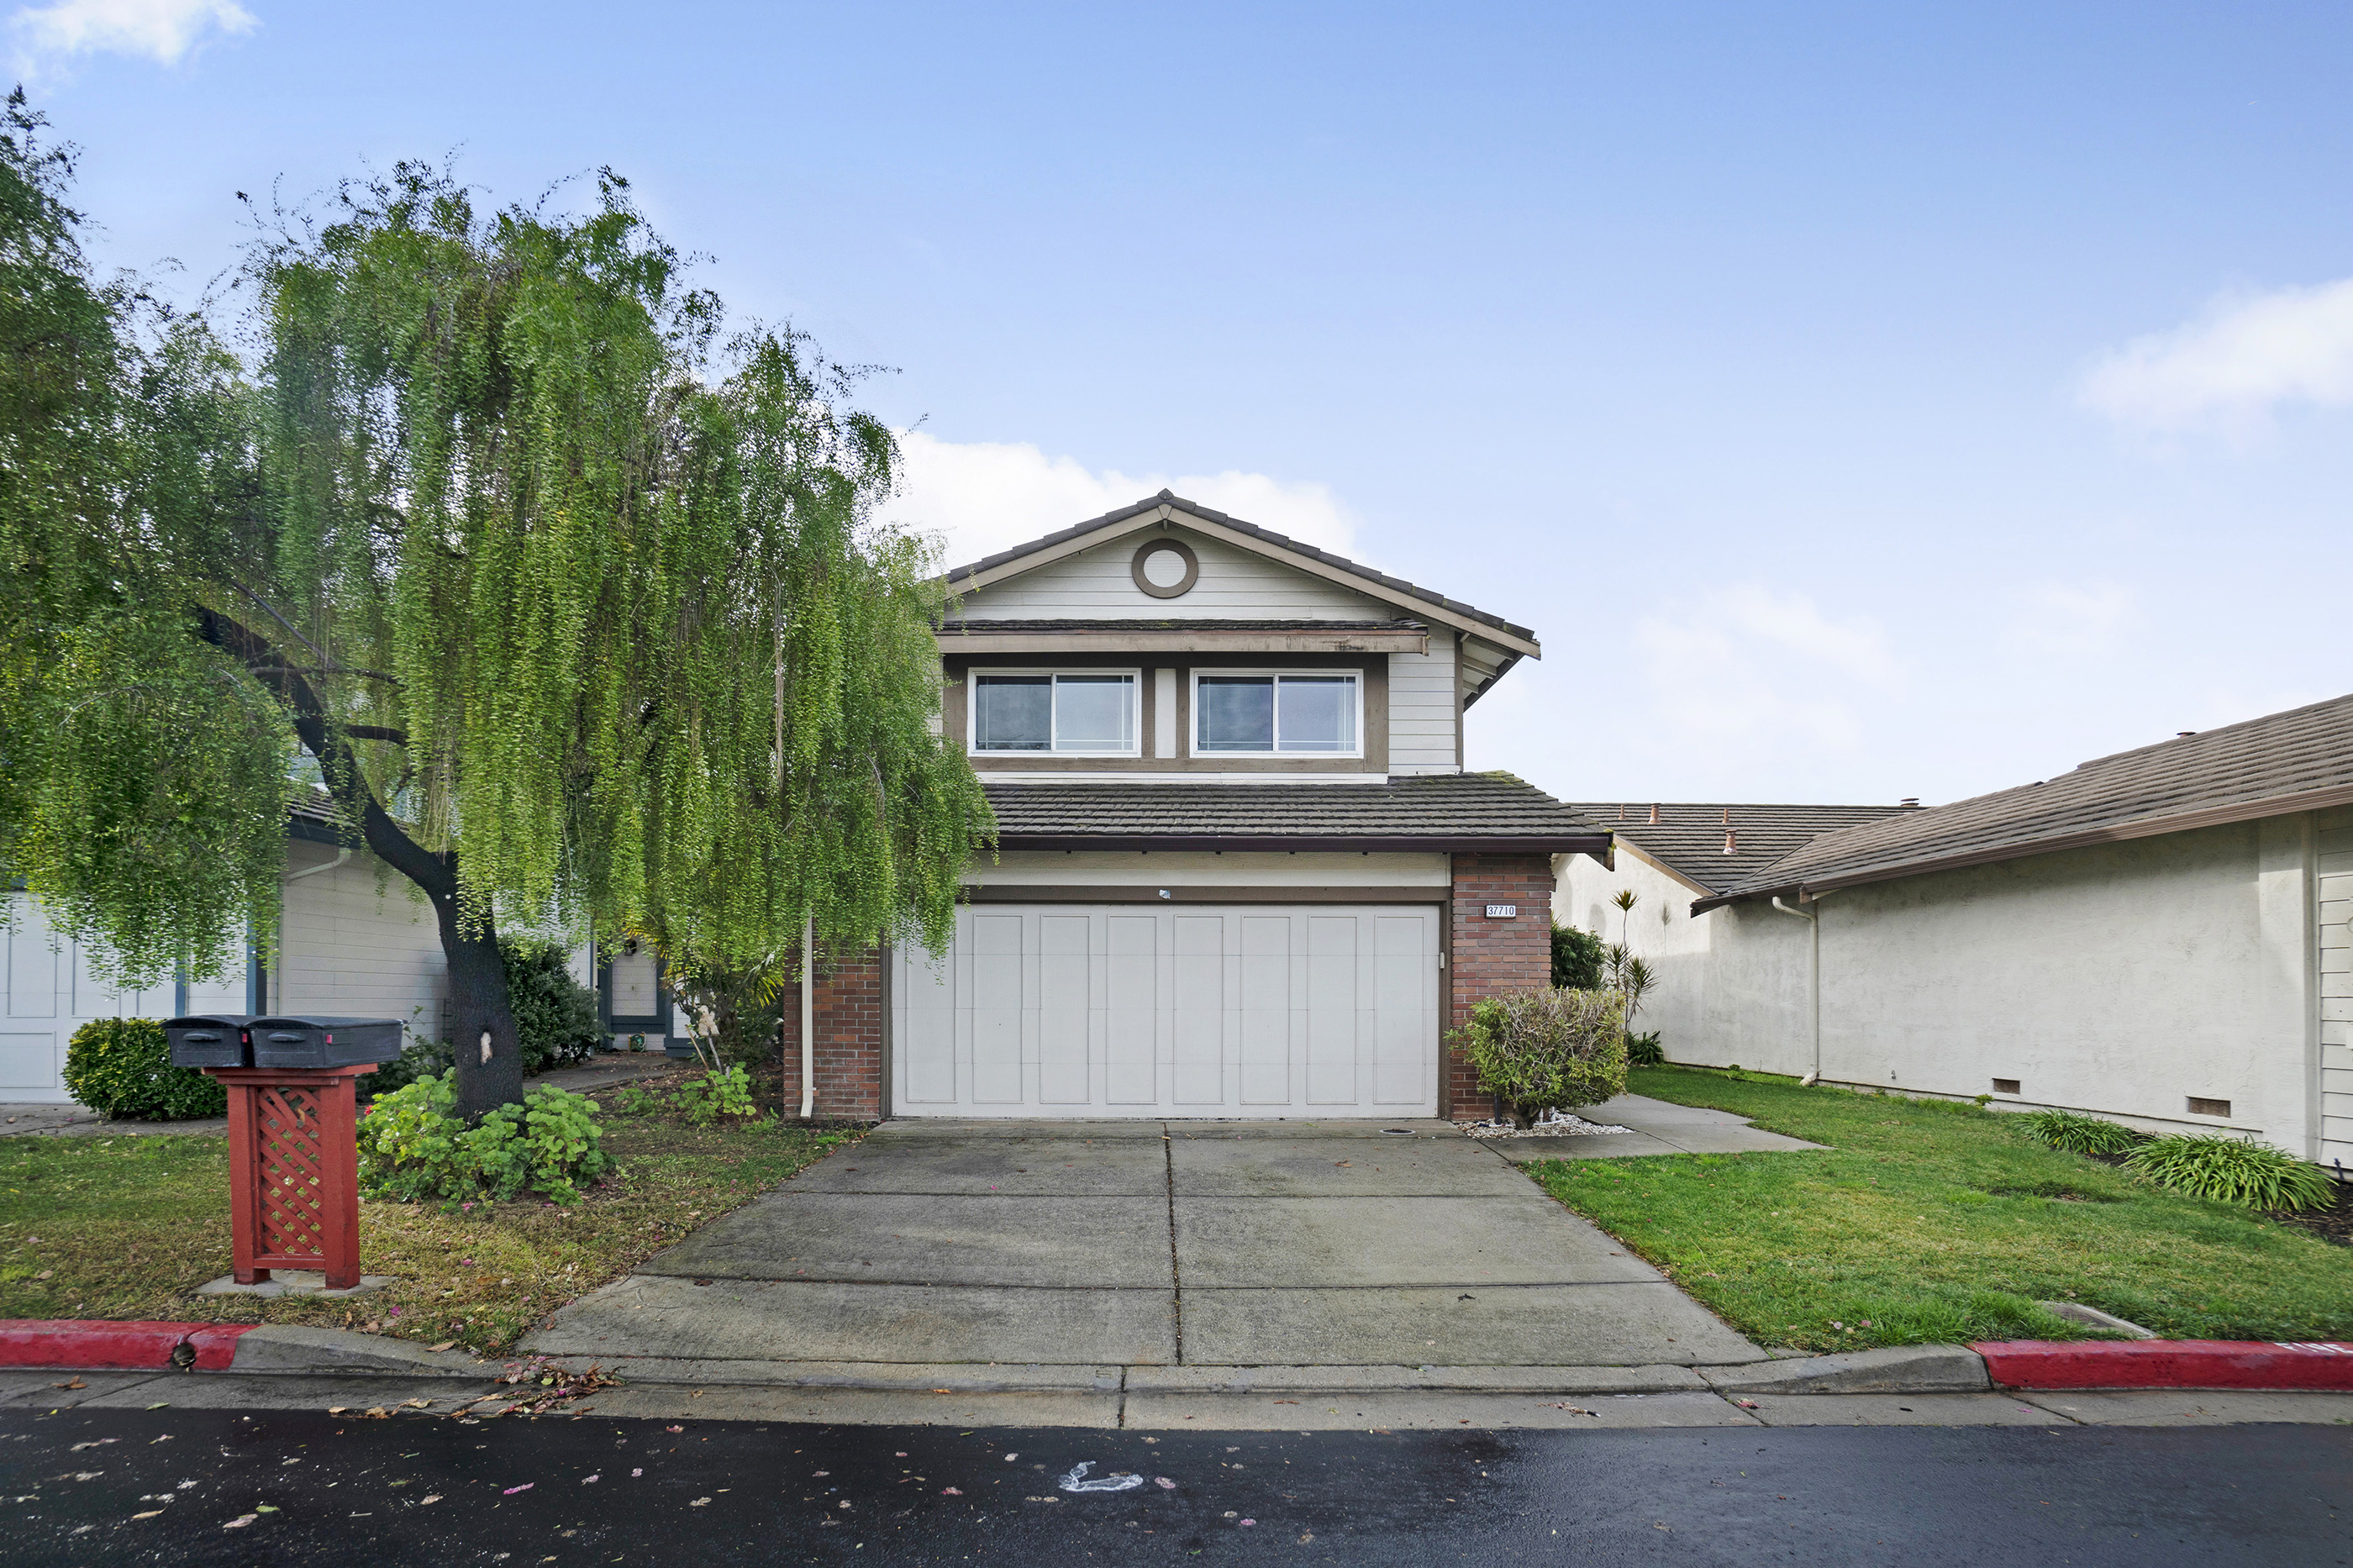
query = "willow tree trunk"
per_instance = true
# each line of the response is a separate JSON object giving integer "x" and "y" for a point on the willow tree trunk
{"x": 481, "y": 1016}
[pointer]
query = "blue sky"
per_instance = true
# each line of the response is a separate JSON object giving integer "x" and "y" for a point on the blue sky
{"x": 1860, "y": 401}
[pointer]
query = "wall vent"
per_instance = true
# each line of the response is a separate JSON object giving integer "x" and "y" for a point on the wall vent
{"x": 2209, "y": 1106}
{"x": 2005, "y": 1086}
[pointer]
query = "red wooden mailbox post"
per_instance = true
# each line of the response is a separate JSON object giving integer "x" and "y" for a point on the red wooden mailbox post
{"x": 293, "y": 1133}
{"x": 294, "y": 1171}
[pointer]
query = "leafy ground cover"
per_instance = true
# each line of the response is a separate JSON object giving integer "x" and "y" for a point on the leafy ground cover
{"x": 1933, "y": 1222}
{"x": 128, "y": 1226}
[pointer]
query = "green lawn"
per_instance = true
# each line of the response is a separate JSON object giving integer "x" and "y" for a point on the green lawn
{"x": 127, "y": 1226}
{"x": 1932, "y": 1222}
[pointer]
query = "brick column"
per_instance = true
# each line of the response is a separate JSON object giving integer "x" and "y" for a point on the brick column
{"x": 850, "y": 1020}
{"x": 1492, "y": 955}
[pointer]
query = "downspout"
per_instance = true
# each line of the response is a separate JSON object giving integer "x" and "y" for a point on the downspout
{"x": 1813, "y": 981}
{"x": 808, "y": 1016}
{"x": 342, "y": 855}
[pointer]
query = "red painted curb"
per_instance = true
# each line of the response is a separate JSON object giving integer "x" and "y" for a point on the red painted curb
{"x": 98, "y": 1344}
{"x": 2165, "y": 1363}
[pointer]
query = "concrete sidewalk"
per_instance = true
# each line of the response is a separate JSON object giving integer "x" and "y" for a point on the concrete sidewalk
{"x": 1145, "y": 1244}
{"x": 1653, "y": 1127}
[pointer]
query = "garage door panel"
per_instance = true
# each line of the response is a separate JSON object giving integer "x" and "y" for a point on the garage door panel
{"x": 996, "y": 1010}
{"x": 1197, "y": 1009}
{"x": 927, "y": 994}
{"x": 1130, "y": 1010}
{"x": 1330, "y": 1016}
{"x": 1242, "y": 1011}
{"x": 1065, "y": 1008}
{"x": 1265, "y": 1009}
{"x": 1403, "y": 981}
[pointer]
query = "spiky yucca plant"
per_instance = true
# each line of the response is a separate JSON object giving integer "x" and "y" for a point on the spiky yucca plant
{"x": 2232, "y": 1171}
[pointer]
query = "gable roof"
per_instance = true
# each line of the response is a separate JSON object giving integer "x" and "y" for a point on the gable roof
{"x": 1466, "y": 813}
{"x": 2301, "y": 759}
{"x": 1518, "y": 641}
{"x": 1688, "y": 838}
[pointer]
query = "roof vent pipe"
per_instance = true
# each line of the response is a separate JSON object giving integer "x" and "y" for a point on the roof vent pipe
{"x": 1654, "y": 811}
{"x": 1731, "y": 843}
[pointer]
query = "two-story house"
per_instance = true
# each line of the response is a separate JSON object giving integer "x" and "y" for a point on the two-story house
{"x": 1242, "y": 871}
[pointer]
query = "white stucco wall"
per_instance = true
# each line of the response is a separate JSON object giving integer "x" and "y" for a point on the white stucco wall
{"x": 2122, "y": 979}
{"x": 1731, "y": 985}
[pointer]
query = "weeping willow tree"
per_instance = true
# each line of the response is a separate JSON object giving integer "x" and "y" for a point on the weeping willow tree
{"x": 575, "y": 604}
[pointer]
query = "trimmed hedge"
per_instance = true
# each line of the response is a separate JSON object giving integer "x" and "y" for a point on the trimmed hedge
{"x": 122, "y": 1068}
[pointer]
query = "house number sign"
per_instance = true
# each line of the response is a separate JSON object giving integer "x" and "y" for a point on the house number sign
{"x": 1502, "y": 911}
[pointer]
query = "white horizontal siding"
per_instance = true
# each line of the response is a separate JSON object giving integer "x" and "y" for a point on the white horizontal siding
{"x": 351, "y": 946}
{"x": 1421, "y": 709}
{"x": 48, "y": 989}
{"x": 1234, "y": 584}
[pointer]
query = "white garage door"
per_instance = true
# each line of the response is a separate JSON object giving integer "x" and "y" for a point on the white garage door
{"x": 1138, "y": 1010}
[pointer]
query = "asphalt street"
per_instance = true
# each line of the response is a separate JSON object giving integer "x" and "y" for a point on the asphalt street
{"x": 270, "y": 1487}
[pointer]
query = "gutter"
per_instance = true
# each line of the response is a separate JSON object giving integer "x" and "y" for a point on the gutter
{"x": 2019, "y": 849}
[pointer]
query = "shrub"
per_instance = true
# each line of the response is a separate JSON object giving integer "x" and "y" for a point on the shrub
{"x": 716, "y": 1094}
{"x": 412, "y": 1146}
{"x": 554, "y": 1014}
{"x": 1547, "y": 1050}
{"x": 1644, "y": 1050}
{"x": 2082, "y": 1134}
{"x": 419, "y": 1059}
{"x": 2232, "y": 1171}
{"x": 122, "y": 1068}
{"x": 1575, "y": 959}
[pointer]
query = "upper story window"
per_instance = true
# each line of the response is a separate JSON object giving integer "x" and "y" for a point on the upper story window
{"x": 1243, "y": 715}
{"x": 1090, "y": 714}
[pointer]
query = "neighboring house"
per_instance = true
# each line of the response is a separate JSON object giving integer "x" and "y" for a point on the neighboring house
{"x": 353, "y": 941}
{"x": 1731, "y": 987}
{"x": 2164, "y": 936}
{"x": 1242, "y": 873}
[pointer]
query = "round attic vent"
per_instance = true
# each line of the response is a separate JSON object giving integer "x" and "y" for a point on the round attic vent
{"x": 1164, "y": 568}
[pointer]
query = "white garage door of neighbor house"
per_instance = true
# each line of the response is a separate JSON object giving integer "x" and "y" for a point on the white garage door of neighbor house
{"x": 1248, "y": 1010}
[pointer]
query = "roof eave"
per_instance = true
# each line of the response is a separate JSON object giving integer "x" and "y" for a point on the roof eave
{"x": 2144, "y": 827}
{"x": 1456, "y": 843}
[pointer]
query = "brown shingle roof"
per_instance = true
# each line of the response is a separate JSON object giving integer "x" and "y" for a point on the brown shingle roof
{"x": 1689, "y": 838}
{"x": 1464, "y": 812}
{"x": 2301, "y": 759}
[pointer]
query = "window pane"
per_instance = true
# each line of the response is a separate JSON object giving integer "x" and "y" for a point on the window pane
{"x": 1319, "y": 713}
{"x": 1236, "y": 713}
{"x": 1011, "y": 713}
{"x": 1092, "y": 712}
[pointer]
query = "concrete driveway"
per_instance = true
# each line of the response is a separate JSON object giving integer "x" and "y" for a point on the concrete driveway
{"x": 1152, "y": 1243}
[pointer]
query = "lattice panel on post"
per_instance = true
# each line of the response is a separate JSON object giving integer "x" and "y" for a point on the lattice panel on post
{"x": 292, "y": 1209}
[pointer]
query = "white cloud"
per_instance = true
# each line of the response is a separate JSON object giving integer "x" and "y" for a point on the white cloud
{"x": 1746, "y": 664}
{"x": 983, "y": 497}
{"x": 161, "y": 30}
{"x": 2246, "y": 357}
{"x": 2058, "y": 620}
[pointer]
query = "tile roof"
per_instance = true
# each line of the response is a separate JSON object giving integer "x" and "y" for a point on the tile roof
{"x": 1689, "y": 837}
{"x": 1282, "y": 542}
{"x": 2301, "y": 759}
{"x": 1453, "y": 811}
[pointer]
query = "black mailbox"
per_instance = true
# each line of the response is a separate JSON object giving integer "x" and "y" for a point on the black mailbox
{"x": 219, "y": 1040}
{"x": 324, "y": 1042}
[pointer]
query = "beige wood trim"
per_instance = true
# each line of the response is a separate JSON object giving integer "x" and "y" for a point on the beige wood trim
{"x": 1067, "y": 548}
{"x": 1102, "y": 893}
{"x": 993, "y": 645}
{"x": 1661, "y": 867}
{"x": 1422, "y": 609}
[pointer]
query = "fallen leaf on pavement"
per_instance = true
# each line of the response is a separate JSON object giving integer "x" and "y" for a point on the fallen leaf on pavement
{"x": 444, "y": 1345}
